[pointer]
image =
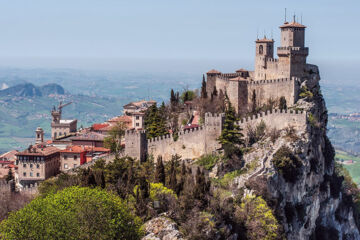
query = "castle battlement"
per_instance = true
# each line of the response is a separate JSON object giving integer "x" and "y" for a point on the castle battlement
{"x": 270, "y": 81}
{"x": 272, "y": 112}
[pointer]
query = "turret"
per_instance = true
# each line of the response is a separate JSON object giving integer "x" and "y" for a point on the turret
{"x": 264, "y": 51}
{"x": 39, "y": 135}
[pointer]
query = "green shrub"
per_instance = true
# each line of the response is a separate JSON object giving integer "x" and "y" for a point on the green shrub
{"x": 287, "y": 164}
{"x": 208, "y": 161}
{"x": 157, "y": 189}
{"x": 74, "y": 213}
{"x": 305, "y": 93}
{"x": 312, "y": 120}
{"x": 258, "y": 218}
{"x": 229, "y": 177}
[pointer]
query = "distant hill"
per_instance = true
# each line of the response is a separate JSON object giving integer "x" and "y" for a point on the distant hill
{"x": 30, "y": 90}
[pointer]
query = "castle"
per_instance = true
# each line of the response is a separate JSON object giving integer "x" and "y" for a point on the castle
{"x": 272, "y": 79}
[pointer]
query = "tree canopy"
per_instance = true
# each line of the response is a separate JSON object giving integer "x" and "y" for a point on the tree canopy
{"x": 74, "y": 213}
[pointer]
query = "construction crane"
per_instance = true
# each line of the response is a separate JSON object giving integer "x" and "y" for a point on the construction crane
{"x": 63, "y": 105}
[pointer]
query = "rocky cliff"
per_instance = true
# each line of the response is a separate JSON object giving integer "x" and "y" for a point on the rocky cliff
{"x": 309, "y": 199}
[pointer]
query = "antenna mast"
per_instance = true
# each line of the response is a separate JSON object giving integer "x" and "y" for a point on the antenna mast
{"x": 285, "y": 14}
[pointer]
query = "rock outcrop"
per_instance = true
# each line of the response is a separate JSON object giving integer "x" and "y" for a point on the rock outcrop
{"x": 313, "y": 206}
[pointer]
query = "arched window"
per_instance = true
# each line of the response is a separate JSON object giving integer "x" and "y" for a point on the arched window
{"x": 261, "y": 49}
{"x": 55, "y": 135}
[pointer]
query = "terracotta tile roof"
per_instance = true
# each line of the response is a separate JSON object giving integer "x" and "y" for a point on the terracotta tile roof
{"x": 39, "y": 150}
{"x": 11, "y": 155}
{"x": 213, "y": 71}
{"x": 127, "y": 120}
{"x": 292, "y": 24}
{"x": 99, "y": 126}
{"x": 91, "y": 136}
{"x": 191, "y": 126}
{"x": 73, "y": 149}
{"x": 241, "y": 70}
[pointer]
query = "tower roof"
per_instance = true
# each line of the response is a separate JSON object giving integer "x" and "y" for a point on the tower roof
{"x": 213, "y": 71}
{"x": 264, "y": 40}
{"x": 292, "y": 25}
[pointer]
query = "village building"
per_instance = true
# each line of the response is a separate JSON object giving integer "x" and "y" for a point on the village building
{"x": 37, "y": 163}
{"x": 91, "y": 139}
{"x": 7, "y": 161}
{"x": 139, "y": 106}
{"x": 61, "y": 127}
{"x": 74, "y": 156}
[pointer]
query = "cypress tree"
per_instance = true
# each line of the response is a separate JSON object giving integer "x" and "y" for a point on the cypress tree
{"x": 172, "y": 97}
{"x": 253, "y": 99}
{"x": 160, "y": 171}
{"x": 9, "y": 176}
{"x": 203, "y": 88}
{"x": 282, "y": 103}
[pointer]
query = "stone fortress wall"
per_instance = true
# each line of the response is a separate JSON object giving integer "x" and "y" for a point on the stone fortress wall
{"x": 240, "y": 92}
{"x": 193, "y": 143}
{"x": 276, "y": 119}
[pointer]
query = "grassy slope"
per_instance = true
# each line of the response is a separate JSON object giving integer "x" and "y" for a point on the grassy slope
{"x": 354, "y": 169}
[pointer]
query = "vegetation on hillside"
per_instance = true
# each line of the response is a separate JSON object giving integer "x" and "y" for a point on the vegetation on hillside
{"x": 74, "y": 213}
{"x": 288, "y": 165}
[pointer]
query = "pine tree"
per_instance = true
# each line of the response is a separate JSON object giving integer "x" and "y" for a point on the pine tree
{"x": 160, "y": 171}
{"x": 203, "y": 88}
{"x": 231, "y": 136}
{"x": 282, "y": 103}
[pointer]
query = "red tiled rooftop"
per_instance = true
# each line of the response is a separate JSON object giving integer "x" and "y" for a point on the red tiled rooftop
{"x": 99, "y": 126}
{"x": 191, "y": 126}
{"x": 73, "y": 149}
{"x": 241, "y": 70}
{"x": 213, "y": 71}
{"x": 91, "y": 136}
{"x": 39, "y": 150}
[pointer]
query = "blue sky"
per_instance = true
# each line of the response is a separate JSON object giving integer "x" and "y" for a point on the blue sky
{"x": 69, "y": 31}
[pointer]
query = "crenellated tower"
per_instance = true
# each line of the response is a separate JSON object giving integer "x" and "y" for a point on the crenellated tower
{"x": 264, "y": 52}
{"x": 292, "y": 52}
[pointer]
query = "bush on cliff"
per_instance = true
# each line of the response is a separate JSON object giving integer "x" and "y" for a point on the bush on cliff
{"x": 257, "y": 218}
{"x": 287, "y": 164}
{"x": 74, "y": 213}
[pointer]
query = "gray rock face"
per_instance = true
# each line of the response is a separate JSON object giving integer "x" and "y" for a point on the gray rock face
{"x": 314, "y": 207}
{"x": 162, "y": 228}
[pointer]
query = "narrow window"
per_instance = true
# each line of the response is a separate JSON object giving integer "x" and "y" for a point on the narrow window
{"x": 38, "y": 174}
{"x": 261, "y": 49}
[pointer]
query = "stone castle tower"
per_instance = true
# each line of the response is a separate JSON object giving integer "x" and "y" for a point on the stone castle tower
{"x": 272, "y": 77}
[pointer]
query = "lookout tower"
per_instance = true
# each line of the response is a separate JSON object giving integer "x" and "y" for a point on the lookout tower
{"x": 264, "y": 52}
{"x": 292, "y": 52}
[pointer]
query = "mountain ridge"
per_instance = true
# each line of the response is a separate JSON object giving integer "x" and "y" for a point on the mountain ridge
{"x": 31, "y": 90}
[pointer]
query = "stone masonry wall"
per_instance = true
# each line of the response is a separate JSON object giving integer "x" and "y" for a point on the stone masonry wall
{"x": 273, "y": 89}
{"x": 276, "y": 119}
{"x": 203, "y": 140}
